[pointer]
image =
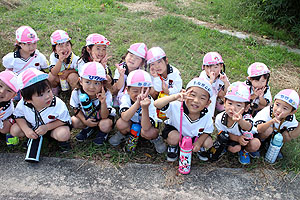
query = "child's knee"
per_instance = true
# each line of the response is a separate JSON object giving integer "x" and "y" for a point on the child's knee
{"x": 123, "y": 126}
{"x": 105, "y": 125}
{"x": 73, "y": 80}
{"x": 16, "y": 131}
{"x": 234, "y": 149}
{"x": 76, "y": 122}
{"x": 173, "y": 138}
{"x": 208, "y": 142}
{"x": 150, "y": 134}
{"x": 254, "y": 144}
{"x": 61, "y": 133}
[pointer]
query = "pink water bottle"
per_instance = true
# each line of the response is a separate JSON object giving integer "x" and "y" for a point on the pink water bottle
{"x": 185, "y": 156}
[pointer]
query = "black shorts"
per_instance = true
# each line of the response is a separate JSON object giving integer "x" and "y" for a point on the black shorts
{"x": 168, "y": 128}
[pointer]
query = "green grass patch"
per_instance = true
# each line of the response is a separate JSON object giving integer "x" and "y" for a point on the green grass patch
{"x": 184, "y": 43}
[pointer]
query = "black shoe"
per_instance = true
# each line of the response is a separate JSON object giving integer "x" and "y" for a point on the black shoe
{"x": 172, "y": 153}
{"x": 84, "y": 134}
{"x": 100, "y": 138}
{"x": 64, "y": 146}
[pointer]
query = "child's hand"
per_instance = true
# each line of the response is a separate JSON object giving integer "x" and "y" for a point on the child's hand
{"x": 242, "y": 140}
{"x": 237, "y": 116}
{"x": 212, "y": 76}
{"x": 62, "y": 55}
{"x": 121, "y": 70}
{"x": 259, "y": 92}
{"x": 196, "y": 147}
{"x": 165, "y": 87}
{"x": 223, "y": 78}
{"x": 277, "y": 119}
{"x": 101, "y": 96}
{"x": 31, "y": 134}
{"x": 183, "y": 95}
{"x": 41, "y": 130}
{"x": 104, "y": 60}
{"x": 153, "y": 72}
{"x": 91, "y": 122}
{"x": 145, "y": 102}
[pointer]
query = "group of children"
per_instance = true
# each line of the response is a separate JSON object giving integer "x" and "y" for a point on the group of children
{"x": 144, "y": 99}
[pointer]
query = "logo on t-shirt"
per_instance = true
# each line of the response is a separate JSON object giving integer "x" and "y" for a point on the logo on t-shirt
{"x": 170, "y": 83}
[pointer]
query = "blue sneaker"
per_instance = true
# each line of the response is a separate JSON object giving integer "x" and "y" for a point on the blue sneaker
{"x": 244, "y": 157}
{"x": 255, "y": 154}
{"x": 84, "y": 134}
{"x": 11, "y": 140}
{"x": 100, "y": 138}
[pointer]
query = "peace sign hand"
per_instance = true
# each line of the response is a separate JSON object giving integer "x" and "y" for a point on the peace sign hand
{"x": 101, "y": 96}
{"x": 104, "y": 60}
{"x": 237, "y": 116}
{"x": 277, "y": 119}
{"x": 121, "y": 70}
{"x": 184, "y": 95}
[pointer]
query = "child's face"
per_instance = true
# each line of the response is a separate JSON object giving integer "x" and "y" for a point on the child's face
{"x": 41, "y": 101}
{"x": 97, "y": 50}
{"x": 134, "y": 92}
{"x": 91, "y": 87}
{"x": 133, "y": 62}
{"x": 200, "y": 100}
{"x": 28, "y": 47}
{"x": 213, "y": 68}
{"x": 282, "y": 109}
{"x": 6, "y": 93}
{"x": 64, "y": 48}
{"x": 232, "y": 107}
{"x": 259, "y": 84}
{"x": 160, "y": 66}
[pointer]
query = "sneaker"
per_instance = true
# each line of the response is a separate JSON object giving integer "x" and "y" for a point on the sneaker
{"x": 84, "y": 134}
{"x": 159, "y": 144}
{"x": 244, "y": 157}
{"x": 116, "y": 139}
{"x": 255, "y": 154}
{"x": 64, "y": 146}
{"x": 172, "y": 154}
{"x": 11, "y": 140}
{"x": 202, "y": 154}
{"x": 100, "y": 138}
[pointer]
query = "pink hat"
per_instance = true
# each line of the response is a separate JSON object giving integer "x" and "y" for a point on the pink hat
{"x": 289, "y": 96}
{"x": 257, "y": 69}
{"x": 139, "y": 78}
{"x": 138, "y": 49}
{"x": 25, "y": 34}
{"x": 238, "y": 91}
{"x": 10, "y": 79}
{"x": 201, "y": 83}
{"x": 154, "y": 54}
{"x": 92, "y": 71}
{"x": 29, "y": 77}
{"x": 96, "y": 38}
{"x": 59, "y": 36}
{"x": 212, "y": 58}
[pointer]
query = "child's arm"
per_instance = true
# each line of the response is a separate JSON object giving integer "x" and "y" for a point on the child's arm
{"x": 29, "y": 133}
{"x": 117, "y": 86}
{"x": 240, "y": 139}
{"x": 244, "y": 124}
{"x": 224, "y": 78}
{"x": 289, "y": 135}
{"x": 89, "y": 122}
{"x": 161, "y": 102}
{"x": 42, "y": 130}
{"x": 128, "y": 114}
{"x": 145, "y": 121}
{"x": 104, "y": 112}
{"x": 261, "y": 128}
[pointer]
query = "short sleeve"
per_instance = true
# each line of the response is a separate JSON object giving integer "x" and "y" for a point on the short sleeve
{"x": 74, "y": 101}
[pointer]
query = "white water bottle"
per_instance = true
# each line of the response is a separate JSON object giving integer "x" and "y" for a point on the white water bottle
{"x": 64, "y": 85}
{"x": 274, "y": 148}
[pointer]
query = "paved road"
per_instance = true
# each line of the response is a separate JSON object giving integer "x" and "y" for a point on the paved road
{"x": 56, "y": 178}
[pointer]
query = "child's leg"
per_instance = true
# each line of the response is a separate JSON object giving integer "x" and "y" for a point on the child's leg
{"x": 61, "y": 133}
{"x": 123, "y": 126}
{"x": 6, "y": 127}
{"x": 77, "y": 123}
{"x": 253, "y": 145}
{"x": 173, "y": 138}
{"x": 73, "y": 80}
{"x": 150, "y": 134}
{"x": 208, "y": 142}
{"x": 54, "y": 80}
{"x": 234, "y": 149}
{"x": 105, "y": 125}
{"x": 16, "y": 131}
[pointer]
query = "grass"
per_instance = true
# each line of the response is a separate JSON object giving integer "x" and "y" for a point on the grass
{"x": 184, "y": 42}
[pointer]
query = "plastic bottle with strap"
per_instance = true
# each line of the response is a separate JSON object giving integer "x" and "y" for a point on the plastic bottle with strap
{"x": 161, "y": 94}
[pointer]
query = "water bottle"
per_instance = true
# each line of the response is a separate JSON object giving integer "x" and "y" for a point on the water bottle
{"x": 218, "y": 148}
{"x": 185, "y": 156}
{"x": 87, "y": 104}
{"x": 274, "y": 148}
{"x": 248, "y": 135}
{"x": 133, "y": 137}
{"x": 160, "y": 114}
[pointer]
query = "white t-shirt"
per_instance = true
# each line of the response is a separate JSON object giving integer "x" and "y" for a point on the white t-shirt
{"x": 71, "y": 61}
{"x": 173, "y": 80}
{"x": 235, "y": 129}
{"x": 122, "y": 91}
{"x": 56, "y": 110}
{"x": 265, "y": 115}
{"x": 217, "y": 86}
{"x": 126, "y": 103}
{"x": 189, "y": 127}
{"x": 77, "y": 104}
{"x": 14, "y": 62}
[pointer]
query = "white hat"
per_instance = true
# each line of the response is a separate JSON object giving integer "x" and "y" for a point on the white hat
{"x": 139, "y": 78}
{"x": 92, "y": 71}
{"x": 289, "y": 96}
{"x": 29, "y": 77}
{"x": 201, "y": 83}
{"x": 238, "y": 91}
